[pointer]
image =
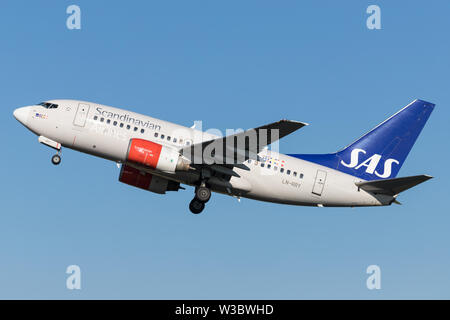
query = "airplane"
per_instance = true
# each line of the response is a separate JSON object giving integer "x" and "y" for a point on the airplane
{"x": 160, "y": 156}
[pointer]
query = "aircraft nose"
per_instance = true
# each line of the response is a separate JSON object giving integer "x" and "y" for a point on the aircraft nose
{"x": 21, "y": 114}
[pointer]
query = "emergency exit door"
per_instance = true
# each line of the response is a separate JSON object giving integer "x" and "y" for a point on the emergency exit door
{"x": 81, "y": 115}
{"x": 319, "y": 183}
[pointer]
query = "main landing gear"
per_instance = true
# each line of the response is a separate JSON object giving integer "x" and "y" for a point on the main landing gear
{"x": 196, "y": 206}
{"x": 202, "y": 195}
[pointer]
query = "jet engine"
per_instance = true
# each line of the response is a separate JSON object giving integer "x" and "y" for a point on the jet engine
{"x": 147, "y": 181}
{"x": 156, "y": 156}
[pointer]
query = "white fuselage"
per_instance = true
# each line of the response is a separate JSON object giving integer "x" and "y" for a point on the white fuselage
{"x": 105, "y": 132}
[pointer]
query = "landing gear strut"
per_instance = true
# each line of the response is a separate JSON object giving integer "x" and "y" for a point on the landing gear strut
{"x": 56, "y": 159}
{"x": 202, "y": 195}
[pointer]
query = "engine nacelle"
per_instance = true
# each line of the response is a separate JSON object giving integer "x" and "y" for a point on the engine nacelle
{"x": 147, "y": 181}
{"x": 156, "y": 156}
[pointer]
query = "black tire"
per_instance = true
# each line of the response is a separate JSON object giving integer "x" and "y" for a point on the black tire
{"x": 56, "y": 159}
{"x": 203, "y": 194}
{"x": 196, "y": 206}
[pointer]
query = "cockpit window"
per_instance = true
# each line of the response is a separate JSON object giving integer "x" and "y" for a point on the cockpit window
{"x": 48, "y": 105}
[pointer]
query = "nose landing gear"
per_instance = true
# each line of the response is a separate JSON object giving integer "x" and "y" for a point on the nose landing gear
{"x": 56, "y": 159}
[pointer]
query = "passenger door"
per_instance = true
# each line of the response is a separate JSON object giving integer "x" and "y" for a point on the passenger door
{"x": 319, "y": 183}
{"x": 81, "y": 115}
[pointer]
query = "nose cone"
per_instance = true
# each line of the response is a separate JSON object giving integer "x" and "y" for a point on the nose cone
{"x": 21, "y": 114}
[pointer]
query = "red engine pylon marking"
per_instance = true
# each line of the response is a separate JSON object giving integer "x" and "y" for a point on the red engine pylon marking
{"x": 144, "y": 152}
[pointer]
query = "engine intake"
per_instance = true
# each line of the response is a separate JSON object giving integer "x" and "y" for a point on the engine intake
{"x": 156, "y": 156}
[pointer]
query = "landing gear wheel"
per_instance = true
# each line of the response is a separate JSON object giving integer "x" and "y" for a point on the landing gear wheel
{"x": 196, "y": 206}
{"x": 56, "y": 159}
{"x": 203, "y": 194}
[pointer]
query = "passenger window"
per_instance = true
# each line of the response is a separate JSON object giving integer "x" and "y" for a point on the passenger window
{"x": 281, "y": 170}
{"x": 142, "y": 130}
{"x": 275, "y": 168}
{"x": 95, "y": 117}
{"x": 295, "y": 174}
{"x": 168, "y": 138}
{"x": 174, "y": 140}
{"x": 162, "y": 136}
{"x": 128, "y": 127}
{"x": 288, "y": 172}
{"x": 249, "y": 161}
{"x": 301, "y": 175}
{"x": 262, "y": 165}
{"x": 108, "y": 121}
{"x": 135, "y": 128}
{"x": 268, "y": 166}
{"x": 156, "y": 134}
{"x": 115, "y": 123}
{"x": 102, "y": 119}
{"x": 188, "y": 143}
{"x": 121, "y": 125}
{"x": 181, "y": 141}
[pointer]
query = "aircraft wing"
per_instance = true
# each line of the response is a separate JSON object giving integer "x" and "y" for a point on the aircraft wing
{"x": 237, "y": 148}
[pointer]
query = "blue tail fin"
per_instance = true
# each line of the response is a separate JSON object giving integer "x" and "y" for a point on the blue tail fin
{"x": 380, "y": 153}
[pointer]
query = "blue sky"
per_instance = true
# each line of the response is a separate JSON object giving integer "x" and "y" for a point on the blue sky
{"x": 231, "y": 64}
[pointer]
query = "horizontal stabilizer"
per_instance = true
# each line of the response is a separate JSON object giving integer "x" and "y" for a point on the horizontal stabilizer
{"x": 394, "y": 186}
